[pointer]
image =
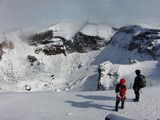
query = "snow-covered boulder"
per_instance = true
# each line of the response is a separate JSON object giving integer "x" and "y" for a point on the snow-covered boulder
{"x": 113, "y": 116}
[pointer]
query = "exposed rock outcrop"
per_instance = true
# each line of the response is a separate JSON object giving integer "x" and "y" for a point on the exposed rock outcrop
{"x": 7, "y": 44}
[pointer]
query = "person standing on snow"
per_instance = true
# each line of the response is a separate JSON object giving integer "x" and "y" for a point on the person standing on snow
{"x": 139, "y": 83}
{"x": 120, "y": 93}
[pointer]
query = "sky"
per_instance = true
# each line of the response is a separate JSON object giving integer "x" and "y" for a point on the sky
{"x": 29, "y": 13}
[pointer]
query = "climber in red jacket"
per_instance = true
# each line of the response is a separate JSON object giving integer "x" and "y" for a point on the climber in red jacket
{"x": 120, "y": 93}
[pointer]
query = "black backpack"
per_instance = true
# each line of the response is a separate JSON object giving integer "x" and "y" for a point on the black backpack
{"x": 142, "y": 83}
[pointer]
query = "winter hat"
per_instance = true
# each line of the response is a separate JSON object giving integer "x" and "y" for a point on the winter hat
{"x": 138, "y": 72}
{"x": 122, "y": 81}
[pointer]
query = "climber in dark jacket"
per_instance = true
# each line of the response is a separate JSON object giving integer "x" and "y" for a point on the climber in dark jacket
{"x": 136, "y": 86}
{"x": 120, "y": 93}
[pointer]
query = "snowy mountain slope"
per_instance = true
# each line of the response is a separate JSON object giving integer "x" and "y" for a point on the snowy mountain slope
{"x": 78, "y": 105}
{"x": 131, "y": 48}
{"x": 123, "y": 40}
{"x": 79, "y": 71}
{"x": 143, "y": 40}
{"x": 46, "y": 72}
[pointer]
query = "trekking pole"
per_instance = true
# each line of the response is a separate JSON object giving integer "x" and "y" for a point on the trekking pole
{"x": 141, "y": 91}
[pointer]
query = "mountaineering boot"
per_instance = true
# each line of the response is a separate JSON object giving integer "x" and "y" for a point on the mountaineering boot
{"x": 116, "y": 108}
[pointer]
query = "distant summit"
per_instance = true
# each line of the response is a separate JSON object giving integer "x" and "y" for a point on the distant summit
{"x": 57, "y": 40}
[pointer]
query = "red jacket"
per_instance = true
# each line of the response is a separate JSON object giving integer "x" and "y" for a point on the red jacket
{"x": 121, "y": 89}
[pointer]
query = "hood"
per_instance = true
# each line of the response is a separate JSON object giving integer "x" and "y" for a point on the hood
{"x": 138, "y": 72}
{"x": 122, "y": 81}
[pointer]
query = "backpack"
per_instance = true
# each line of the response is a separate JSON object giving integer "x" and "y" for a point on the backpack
{"x": 142, "y": 83}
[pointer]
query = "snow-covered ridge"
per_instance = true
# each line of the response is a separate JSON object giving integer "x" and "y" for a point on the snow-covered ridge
{"x": 71, "y": 37}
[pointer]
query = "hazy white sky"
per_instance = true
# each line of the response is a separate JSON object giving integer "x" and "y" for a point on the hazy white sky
{"x": 26, "y": 13}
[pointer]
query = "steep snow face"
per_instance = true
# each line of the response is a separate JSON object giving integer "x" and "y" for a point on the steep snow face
{"x": 132, "y": 42}
{"x": 142, "y": 40}
{"x": 124, "y": 35}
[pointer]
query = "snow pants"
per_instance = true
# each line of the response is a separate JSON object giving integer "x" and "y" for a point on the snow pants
{"x": 137, "y": 94}
{"x": 118, "y": 101}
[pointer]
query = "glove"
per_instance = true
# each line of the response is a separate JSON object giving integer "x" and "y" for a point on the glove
{"x": 124, "y": 97}
{"x": 118, "y": 95}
